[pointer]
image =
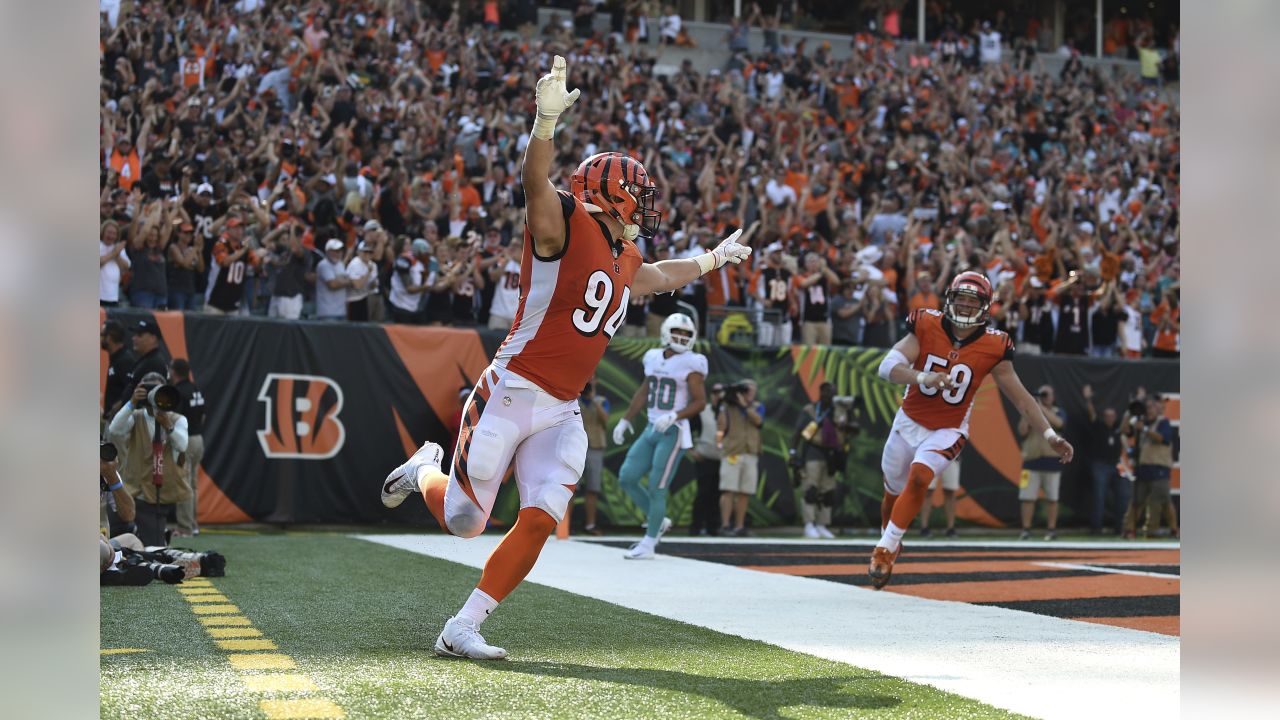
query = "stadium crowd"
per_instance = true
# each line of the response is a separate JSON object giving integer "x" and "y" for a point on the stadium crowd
{"x": 358, "y": 160}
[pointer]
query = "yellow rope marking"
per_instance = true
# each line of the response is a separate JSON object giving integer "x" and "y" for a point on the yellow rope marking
{"x": 233, "y": 632}
{"x": 122, "y": 651}
{"x": 224, "y": 620}
{"x": 215, "y": 598}
{"x": 215, "y": 609}
{"x": 279, "y": 682}
{"x": 304, "y": 708}
{"x": 255, "y": 644}
{"x": 261, "y": 661}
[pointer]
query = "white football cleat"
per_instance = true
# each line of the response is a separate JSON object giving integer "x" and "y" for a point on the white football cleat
{"x": 811, "y": 531}
{"x": 640, "y": 551}
{"x": 824, "y": 533}
{"x": 403, "y": 481}
{"x": 664, "y": 527}
{"x": 460, "y": 638}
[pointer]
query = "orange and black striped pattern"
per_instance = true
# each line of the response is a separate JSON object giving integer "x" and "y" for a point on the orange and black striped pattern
{"x": 471, "y": 414}
{"x": 951, "y": 453}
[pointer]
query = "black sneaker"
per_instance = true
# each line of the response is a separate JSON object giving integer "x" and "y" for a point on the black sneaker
{"x": 1026, "y": 534}
{"x": 951, "y": 533}
{"x": 1051, "y": 535}
{"x": 926, "y": 532}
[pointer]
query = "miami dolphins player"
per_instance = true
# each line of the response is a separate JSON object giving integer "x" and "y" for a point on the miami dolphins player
{"x": 673, "y": 391}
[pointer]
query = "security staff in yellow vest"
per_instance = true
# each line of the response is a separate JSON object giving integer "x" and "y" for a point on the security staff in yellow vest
{"x": 738, "y": 427}
{"x": 153, "y": 442}
{"x": 1153, "y": 455}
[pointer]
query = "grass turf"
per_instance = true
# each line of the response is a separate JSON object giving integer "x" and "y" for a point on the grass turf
{"x": 360, "y": 619}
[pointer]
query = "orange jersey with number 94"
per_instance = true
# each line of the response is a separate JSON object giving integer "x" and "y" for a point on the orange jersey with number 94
{"x": 967, "y": 362}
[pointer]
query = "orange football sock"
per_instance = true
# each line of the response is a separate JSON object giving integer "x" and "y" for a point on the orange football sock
{"x": 912, "y": 498}
{"x": 433, "y": 487}
{"x": 886, "y": 509}
{"x": 515, "y": 555}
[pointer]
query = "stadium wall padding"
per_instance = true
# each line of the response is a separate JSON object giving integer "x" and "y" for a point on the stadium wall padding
{"x": 305, "y": 419}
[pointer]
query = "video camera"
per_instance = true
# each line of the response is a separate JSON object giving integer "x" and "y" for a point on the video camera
{"x": 733, "y": 393}
{"x": 107, "y": 451}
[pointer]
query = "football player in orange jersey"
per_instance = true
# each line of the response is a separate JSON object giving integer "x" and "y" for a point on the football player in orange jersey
{"x": 578, "y": 271}
{"x": 943, "y": 360}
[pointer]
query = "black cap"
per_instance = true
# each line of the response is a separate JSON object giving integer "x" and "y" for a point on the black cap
{"x": 147, "y": 326}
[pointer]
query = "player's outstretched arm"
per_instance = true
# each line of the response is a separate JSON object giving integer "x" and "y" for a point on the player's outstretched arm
{"x": 898, "y": 366}
{"x": 1011, "y": 386}
{"x": 542, "y": 206}
{"x": 671, "y": 275}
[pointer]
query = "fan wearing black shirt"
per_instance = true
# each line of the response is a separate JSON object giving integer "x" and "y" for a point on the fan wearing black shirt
{"x": 1104, "y": 448}
{"x": 773, "y": 289}
{"x": 1037, "y": 324}
{"x": 1073, "y": 318}
{"x": 1104, "y": 326}
{"x": 192, "y": 408}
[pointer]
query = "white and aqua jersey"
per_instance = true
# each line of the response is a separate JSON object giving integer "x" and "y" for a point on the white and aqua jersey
{"x": 669, "y": 386}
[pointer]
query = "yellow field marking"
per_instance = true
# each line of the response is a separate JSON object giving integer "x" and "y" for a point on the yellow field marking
{"x": 196, "y": 582}
{"x": 255, "y": 644}
{"x": 198, "y": 590}
{"x": 215, "y": 609}
{"x": 215, "y": 598}
{"x": 303, "y": 708}
{"x": 233, "y": 632}
{"x": 122, "y": 651}
{"x": 224, "y": 620}
{"x": 279, "y": 682}
{"x": 261, "y": 661}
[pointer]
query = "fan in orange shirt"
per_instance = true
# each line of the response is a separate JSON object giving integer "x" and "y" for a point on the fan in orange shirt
{"x": 943, "y": 360}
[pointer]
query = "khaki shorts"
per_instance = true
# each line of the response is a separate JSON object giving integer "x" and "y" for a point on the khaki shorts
{"x": 593, "y": 471}
{"x": 950, "y": 477}
{"x": 1033, "y": 480}
{"x": 740, "y": 474}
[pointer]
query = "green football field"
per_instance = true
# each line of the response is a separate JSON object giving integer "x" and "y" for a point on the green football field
{"x": 322, "y": 625}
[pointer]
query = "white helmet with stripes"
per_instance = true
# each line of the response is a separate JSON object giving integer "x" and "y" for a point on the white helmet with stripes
{"x": 679, "y": 343}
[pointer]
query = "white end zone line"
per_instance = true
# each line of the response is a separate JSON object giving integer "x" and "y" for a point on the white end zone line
{"x": 1107, "y": 569}
{"x": 911, "y": 542}
{"x": 1031, "y": 664}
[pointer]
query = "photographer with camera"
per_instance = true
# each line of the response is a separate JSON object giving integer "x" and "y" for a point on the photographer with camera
{"x": 112, "y": 494}
{"x": 1152, "y": 436}
{"x": 818, "y": 454}
{"x": 738, "y": 430}
{"x": 154, "y": 437}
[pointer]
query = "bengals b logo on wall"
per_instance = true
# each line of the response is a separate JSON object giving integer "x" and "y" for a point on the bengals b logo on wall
{"x": 301, "y": 419}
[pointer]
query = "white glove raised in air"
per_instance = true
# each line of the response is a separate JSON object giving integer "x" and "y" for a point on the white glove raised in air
{"x": 730, "y": 250}
{"x": 620, "y": 431}
{"x": 553, "y": 99}
{"x": 664, "y": 421}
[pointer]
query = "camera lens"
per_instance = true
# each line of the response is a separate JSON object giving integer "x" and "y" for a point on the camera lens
{"x": 107, "y": 451}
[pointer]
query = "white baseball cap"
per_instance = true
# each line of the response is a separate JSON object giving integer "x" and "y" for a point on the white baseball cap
{"x": 333, "y": 244}
{"x": 204, "y": 189}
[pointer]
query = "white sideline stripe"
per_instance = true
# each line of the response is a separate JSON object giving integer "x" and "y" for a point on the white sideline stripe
{"x": 1101, "y": 569}
{"x": 1032, "y": 664}
{"x": 914, "y": 542}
